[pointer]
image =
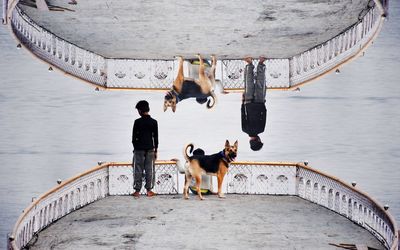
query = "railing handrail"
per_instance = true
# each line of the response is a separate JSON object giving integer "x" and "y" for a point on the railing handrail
{"x": 72, "y": 179}
{"x": 33, "y": 24}
{"x": 360, "y": 51}
{"x": 336, "y": 36}
{"x": 63, "y": 184}
{"x": 107, "y": 164}
{"x": 297, "y": 166}
{"x": 363, "y": 194}
{"x": 281, "y": 83}
{"x": 55, "y": 189}
{"x": 12, "y": 4}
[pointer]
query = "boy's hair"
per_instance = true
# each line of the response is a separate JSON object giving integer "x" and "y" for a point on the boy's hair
{"x": 256, "y": 144}
{"x": 143, "y": 106}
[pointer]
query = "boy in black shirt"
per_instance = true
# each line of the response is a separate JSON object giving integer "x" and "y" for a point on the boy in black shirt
{"x": 254, "y": 112}
{"x": 145, "y": 144}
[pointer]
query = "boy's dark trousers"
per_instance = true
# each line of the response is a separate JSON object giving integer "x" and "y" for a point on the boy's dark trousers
{"x": 143, "y": 161}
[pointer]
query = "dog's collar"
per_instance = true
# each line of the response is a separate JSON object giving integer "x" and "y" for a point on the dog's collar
{"x": 224, "y": 157}
{"x": 176, "y": 94}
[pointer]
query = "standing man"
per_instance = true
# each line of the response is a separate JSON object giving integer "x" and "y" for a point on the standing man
{"x": 145, "y": 144}
{"x": 254, "y": 112}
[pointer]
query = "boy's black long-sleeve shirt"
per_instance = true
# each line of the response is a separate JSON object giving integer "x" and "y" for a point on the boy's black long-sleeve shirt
{"x": 254, "y": 117}
{"x": 145, "y": 133}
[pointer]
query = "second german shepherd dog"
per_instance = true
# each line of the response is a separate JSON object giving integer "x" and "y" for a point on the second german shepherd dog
{"x": 201, "y": 88}
{"x": 215, "y": 164}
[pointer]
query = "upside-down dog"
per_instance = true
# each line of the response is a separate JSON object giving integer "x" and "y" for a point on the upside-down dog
{"x": 215, "y": 164}
{"x": 201, "y": 88}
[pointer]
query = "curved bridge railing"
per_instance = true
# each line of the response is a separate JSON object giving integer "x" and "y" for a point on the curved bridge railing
{"x": 355, "y": 205}
{"x": 331, "y": 54}
{"x": 96, "y": 183}
{"x": 70, "y": 58}
{"x": 124, "y": 74}
{"x": 275, "y": 178}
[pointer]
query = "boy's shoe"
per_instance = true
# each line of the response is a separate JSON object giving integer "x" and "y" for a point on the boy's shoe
{"x": 136, "y": 194}
{"x": 150, "y": 194}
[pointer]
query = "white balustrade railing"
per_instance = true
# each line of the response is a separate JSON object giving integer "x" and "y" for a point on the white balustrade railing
{"x": 4, "y": 12}
{"x": 282, "y": 74}
{"x": 58, "y": 52}
{"x": 276, "y": 73}
{"x": 261, "y": 178}
{"x": 160, "y": 74}
{"x": 317, "y": 187}
{"x": 140, "y": 74}
{"x": 242, "y": 178}
{"x": 326, "y": 56}
{"x": 344, "y": 199}
{"x": 60, "y": 201}
{"x": 97, "y": 183}
{"x": 121, "y": 179}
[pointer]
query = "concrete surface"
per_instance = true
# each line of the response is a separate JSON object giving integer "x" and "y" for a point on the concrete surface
{"x": 169, "y": 222}
{"x": 161, "y": 29}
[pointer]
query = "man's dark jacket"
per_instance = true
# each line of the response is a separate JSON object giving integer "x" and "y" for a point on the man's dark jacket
{"x": 145, "y": 133}
{"x": 254, "y": 116}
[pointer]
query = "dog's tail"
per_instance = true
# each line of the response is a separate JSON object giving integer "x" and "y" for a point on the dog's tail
{"x": 185, "y": 154}
{"x": 210, "y": 104}
{"x": 182, "y": 168}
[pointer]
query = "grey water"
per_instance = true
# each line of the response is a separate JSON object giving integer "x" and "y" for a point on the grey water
{"x": 54, "y": 127}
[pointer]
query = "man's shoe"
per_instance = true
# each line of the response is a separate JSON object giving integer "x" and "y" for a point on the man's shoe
{"x": 136, "y": 194}
{"x": 150, "y": 194}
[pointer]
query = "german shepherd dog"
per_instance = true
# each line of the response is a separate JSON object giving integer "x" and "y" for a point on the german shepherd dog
{"x": 201, "y": 88}
{"x": 215, "y": 164}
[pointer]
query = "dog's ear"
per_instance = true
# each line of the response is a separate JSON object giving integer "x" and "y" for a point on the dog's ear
{"x": 236, "y": 144}
{"x": 227, "y": 145}
{"x": 165, "y": 106}
{"x": 173, "y": 107}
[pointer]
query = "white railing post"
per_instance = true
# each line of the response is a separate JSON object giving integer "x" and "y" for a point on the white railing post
{"x": 317, "y": 61}
{"x": 158, "y": 74}
{"x": 347, "y": 201}
{"x": 242, "y": 177}
{"x": 5, "y": 16}
{"x": 57, "y": 51}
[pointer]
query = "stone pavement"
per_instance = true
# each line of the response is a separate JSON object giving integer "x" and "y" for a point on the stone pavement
{"x": 170, "y": 222}
{"x": 162, "y": 29}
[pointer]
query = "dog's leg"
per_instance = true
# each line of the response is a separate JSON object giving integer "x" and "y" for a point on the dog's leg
{"x": 220, "y": 180}
{"x": 188, "y": 178}
{"x": 203, "y": 79}
{"x": 212, "y": 70}
{"x": 220, "y": 177}
{"x": 198, "y": 184}
{"x": 179, "y": 77}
